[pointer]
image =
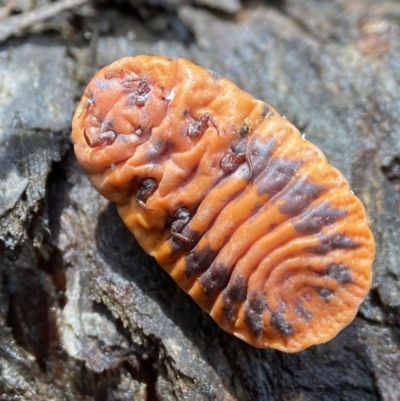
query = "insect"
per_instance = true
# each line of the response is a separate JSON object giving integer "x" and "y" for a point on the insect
{"x": 246, "y": 215}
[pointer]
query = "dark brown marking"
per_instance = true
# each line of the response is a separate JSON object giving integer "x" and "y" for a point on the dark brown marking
{"x": 140, "y": 95}
{"x": 158, "y": 148}
{"x": 129, "y": 82}
{"x": 299, "y": 196}
{"x": 180, "y": 218}
{"x": 107, "y": 125}
{"x": 276, "y": 175}
{"x": 235, "y": 293}
{"x": 90, "y": 101}
{"x": 199, "y": 261}
{"x": 325, "y": 293}
{"x": 192, "y": 237}
{"x": 303, "y": 313}
{"x": 104, "y": 138}
{"x": 239, "y": 147}
{"x": 197, "y": 127}
{"x": 260, "y": 153}
{"x": 266, "y": 112}
{"x": 339, "y": 272}
{"x": 279, "y": 321}
{"x": 245, "y": 129}
{"x": 143, "y": 87}
{"x": 313, "y": 220}
{"x": 214, "y": 279}
{"x": 237, "y": 290}
{"x": 237, "y": 155}
{"x": 229, "y": 310}
{"x": 230, "y": 161}
{"x": 147, "y": 188}
{"x": 330, "y": 243}
{"x": 90, "y": 95}
{"x": 253, "y": 313}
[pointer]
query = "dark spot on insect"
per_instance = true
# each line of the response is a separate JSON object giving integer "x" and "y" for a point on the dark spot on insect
{"x": 89, "y": 102}
{"x": 199, "y": 261}
{"x": 185, "y": 112}
{"x": 245, "y": 129}
{"x": 141, "y": 93}
{"x": 259, "y": 153}
{"x": 231, "y": 161}
{"x": 253, "y": 313}
{"x": 215, "y": 278}
{"x": 339, "y": 272}
{"x": 89, "y": 94}
{"x": 313, "y": 220}
{"x": 90, "y": 97}
{"x": 197, "y": 127}
{"x": 239, "y": 148}
{"x": 107, "y": 125}
{"x": 129, "y": 82}
{"x": 179, "y": 218}
{"x": 266, "y": 112}
{"x": 157, "y": 149}
{"x": 279, "y": 321}
{"x": 276, "y": 175}
{"x": 235, "y": 293}
{"x": 191, "y": 238}
{"x": 94, "y": 140}
{"x": 330, "y": 243}
{"x": 325, "y": 293}
{"x": 299, "y": 196}
{"x": 147, "y": 188}
{"x": 170, "y": 59}
{"x": 229, "y": 310}
{"x": 236, "y": 156}
{"x": 303, "y": 313}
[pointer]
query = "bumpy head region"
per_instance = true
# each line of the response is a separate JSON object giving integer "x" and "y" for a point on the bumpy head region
{"x": 244, "y": 214}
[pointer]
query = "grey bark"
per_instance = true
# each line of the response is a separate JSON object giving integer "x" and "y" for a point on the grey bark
{"x": 85, "y": 314}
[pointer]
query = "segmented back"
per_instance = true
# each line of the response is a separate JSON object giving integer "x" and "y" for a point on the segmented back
{"x": 244, "y": 214}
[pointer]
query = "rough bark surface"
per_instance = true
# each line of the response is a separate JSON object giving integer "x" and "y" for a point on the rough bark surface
{"x": 85, "y": 314}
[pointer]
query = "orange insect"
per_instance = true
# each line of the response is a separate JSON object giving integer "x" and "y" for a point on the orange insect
{"x": 244, "y": 214}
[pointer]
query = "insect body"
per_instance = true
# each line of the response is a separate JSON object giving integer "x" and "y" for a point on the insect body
{"x": 244, "y": 214}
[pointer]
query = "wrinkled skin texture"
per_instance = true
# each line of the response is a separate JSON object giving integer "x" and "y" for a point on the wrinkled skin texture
{"x": 243, "y": 213}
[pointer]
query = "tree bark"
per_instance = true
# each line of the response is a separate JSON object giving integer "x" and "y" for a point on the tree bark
{"x": 85, "y": 314}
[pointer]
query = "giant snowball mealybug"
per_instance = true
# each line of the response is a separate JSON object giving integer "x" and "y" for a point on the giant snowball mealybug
{"x": 246, "y": 216}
